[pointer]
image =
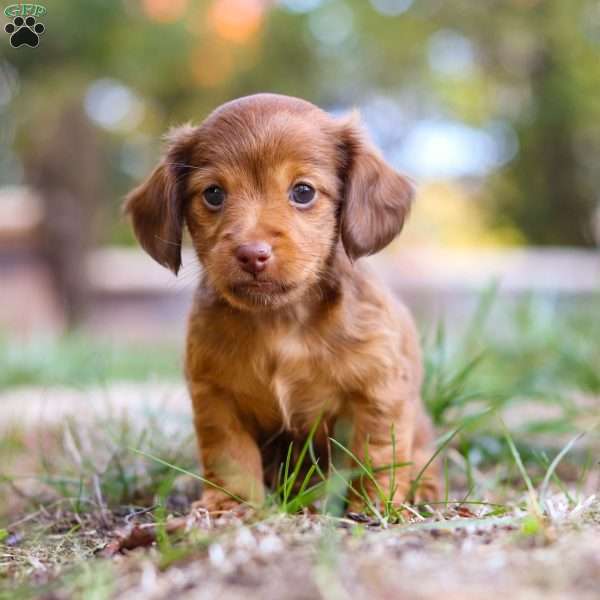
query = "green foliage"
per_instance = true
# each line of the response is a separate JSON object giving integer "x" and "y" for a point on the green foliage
{"x": 535, "y": 69}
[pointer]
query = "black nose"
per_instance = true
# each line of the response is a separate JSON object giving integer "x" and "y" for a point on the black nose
{"x": 254, "y": 256}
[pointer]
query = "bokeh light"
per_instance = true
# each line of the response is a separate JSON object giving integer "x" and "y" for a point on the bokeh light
{"x": 440, "y": 149}
{"x": 451, "y": 53}
{"x": 391, "y": 8}
{"x": 236, "y": 20}
{"x": 332, "y": 24}
{"x": 300, "y": 6}
{"x": 113, "y": 105}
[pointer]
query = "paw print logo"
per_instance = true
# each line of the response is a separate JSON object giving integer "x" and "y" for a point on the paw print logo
{"x": 24, "y": 32}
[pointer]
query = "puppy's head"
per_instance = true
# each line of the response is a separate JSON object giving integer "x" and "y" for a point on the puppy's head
{"x": 268, "y": 186}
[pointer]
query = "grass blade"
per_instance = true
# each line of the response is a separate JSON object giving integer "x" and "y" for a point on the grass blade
{"x": 554, "y": 464}
{"x": 519, "y": 462}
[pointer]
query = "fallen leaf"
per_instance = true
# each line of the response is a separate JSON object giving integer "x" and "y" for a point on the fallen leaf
{"x": 465, "y": 511}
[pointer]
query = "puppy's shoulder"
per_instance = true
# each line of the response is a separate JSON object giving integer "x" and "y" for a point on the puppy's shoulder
{"x": 372, "y": 307}
{"x": 365, "y": 290}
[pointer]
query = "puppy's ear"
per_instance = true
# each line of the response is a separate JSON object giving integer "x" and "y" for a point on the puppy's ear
{"x": 376, "y": 198}
{"x": 156, "y": 206}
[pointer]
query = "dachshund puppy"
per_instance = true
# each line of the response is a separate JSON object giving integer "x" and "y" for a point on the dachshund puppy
{"x": 287, "y": 330}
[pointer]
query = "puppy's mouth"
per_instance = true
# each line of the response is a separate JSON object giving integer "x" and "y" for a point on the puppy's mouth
{"x": 260, "y": 288}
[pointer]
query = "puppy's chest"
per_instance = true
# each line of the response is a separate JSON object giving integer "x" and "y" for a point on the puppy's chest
{"x": 290, "y": 379}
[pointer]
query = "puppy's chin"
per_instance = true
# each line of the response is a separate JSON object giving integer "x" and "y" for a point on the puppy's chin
{"x": 261, "y": 295}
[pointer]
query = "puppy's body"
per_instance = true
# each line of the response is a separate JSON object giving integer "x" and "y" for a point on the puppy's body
{"x": 286, "y": 331}
{"x": 355, "y": 355}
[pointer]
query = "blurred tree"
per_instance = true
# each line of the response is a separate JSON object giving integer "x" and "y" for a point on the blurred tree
{"x": 542, "y": 70}
{"x": 63, "y": 166}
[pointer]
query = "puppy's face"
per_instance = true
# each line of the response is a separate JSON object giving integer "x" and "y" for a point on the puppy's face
{"x": 268, "y": 185}
{"x": 263, "y": 198}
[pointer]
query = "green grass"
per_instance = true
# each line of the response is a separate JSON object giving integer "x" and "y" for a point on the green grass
{"x": 534, "y": 357}
{"x": 77, "y": 359}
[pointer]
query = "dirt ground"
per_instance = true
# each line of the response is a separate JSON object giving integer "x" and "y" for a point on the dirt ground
{"x": 457, "y": 555}
{"x": 459, "y": 559}
{"x": 464, "y": 551}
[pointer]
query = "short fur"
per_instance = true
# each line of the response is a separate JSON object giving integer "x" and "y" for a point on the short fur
{"x": 312, "y": 336}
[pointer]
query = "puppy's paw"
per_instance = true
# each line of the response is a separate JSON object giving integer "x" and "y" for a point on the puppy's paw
{"x": 216, "y": 506}
{"x": 427, "y": 491}
{"x": 219, "y": 504}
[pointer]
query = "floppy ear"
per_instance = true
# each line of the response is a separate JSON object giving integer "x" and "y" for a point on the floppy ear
{"x": 376, "y": 199}
{"x": 156, "y": 206}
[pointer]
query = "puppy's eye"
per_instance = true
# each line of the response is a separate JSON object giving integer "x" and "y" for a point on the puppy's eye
{"x": 214, "y": 196}
{"x": 302, "y": 194}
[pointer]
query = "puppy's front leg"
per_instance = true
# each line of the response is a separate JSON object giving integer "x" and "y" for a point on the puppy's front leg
{"x": 230, "y": 456}
{"x": 382, "y": 436}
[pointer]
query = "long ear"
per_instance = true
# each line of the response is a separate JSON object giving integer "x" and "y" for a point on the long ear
{"x": 156, "y": 206}
{"x": 376, "y": 199}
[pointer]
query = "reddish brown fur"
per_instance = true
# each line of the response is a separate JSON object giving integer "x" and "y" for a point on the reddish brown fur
{"x": 312, "y": 335}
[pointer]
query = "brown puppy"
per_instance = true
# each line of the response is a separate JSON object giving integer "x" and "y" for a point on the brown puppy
{"x": 280, "y": 199}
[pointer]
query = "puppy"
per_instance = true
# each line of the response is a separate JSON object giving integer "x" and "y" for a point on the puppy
{"x": 287, "y": 332}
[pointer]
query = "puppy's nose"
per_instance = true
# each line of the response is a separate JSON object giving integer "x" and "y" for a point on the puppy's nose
{"x": 254, "y": 256}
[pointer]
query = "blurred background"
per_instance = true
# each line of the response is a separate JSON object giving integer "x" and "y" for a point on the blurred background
{"x": 492, "y": 106}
